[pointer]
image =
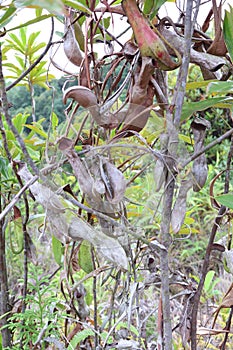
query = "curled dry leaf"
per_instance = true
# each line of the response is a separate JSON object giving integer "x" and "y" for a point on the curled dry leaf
{"x": 209, "y": 62}
{"x": 116, "y": 181}
{"x": 96, "y": 176}
{"x": 65, "y": 224}
{"x": 81, "y": 94}
{"x": 70, "y": 45}
{"x": 82, "y": 174}
{"x": 179, "y": 209}
{"x": 200, "y": 169}
{"x": 218, "y": 46}
{"x": 87, "y": 99}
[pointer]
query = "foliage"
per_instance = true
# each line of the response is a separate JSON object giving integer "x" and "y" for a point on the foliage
{"x": 115, "y": 176}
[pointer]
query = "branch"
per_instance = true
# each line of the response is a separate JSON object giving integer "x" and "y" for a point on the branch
{"x": 17, "y": 197}
{"x": 209, "y": 146}
{"x": 205, "y": 267}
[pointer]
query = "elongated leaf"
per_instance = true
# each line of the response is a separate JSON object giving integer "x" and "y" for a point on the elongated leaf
{"x": 220, "y": 87}
{"x": 209, "y": 281}
{"x": 227, "y": 200}
{"x": 198, "y": 84}
{"x": 227, "y": 31}
{"x": 80, "y": 336}
{"x": 37, "y": 130}
{"x": 7, "y": 16}
{"x": 26, "y": 24}
{"x": 53, "y": 6}
{"x": 191, "y": 107}
{"x": 57, "y": 250}
{"x": 77, "y": 5}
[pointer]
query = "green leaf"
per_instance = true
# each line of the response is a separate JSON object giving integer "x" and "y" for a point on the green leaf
{"x": 77, "y": 5}
{"x": 10, "y": 12}
{"x": 198, "y": 84}
{"x": 57, "y": 250}
{"x": 228, "y": 32}
{"x": 32, "y": 21}
{"x": 209, "y": 281}
{"x": 54, "y": 121}
{"x": 4, "y": 167}
{"x": 19, "y": 120}
{"x": 151, "y": 7}
{"x": 220, "y": 87}
{"x": 85, "y": 257}
{"x": 191, "y": 107}
{"x": 80, "y": 336}
{"x": 53, "y": 6}
{"x": 226, "y": 199}
{"x": 37, "y": 129}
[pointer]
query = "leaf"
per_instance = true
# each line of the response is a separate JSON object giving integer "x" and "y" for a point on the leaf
{"x": 4, "y": 167}
{"x": 70, "y": 45}
{"x": 198, "y": 84}
{"x": 32, "y": 21}
{"x": 57, "y": 250}
{"x": 117, "y": 183}
{"x": 53, "y": 6}
{"x": 221, "y": 87}
{"x": 77, "y": 5}
{"x": 226, "y": 200}
{"x": 7, "y": 16}
{"x": 84, "y": 96}
{"x": 37, "y": 129}
{"x": 191, "y": 107}
{"x": 85, "y": 257}
{"x": 179, "y": 209}
{"x": 66, "y": 225}
{"x": 151, "y": 7}
{"x": 209, "y": 280}
{"x": 19, "y": 120}
{"x": 54, "y": 121}
{"x": 79, "y": 337}
{"x": 227, "y": 31}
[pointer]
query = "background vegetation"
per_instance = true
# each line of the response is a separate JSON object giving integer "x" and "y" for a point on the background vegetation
{"x": 116, "y": 179}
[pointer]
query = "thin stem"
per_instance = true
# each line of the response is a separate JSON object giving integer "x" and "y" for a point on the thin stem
{"x": 205, "y": 266}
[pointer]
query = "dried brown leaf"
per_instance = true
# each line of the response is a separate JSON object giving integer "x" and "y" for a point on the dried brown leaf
{"x": 65, "y": 224}
{"x": 116, "y": 181}
{"x": 81, "y": 94}
{"x": 70, "y": 45}
{"x": 200, "y": 169}
{"x": 179, "y": 209}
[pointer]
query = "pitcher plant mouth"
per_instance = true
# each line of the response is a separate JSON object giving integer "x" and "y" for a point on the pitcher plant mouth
{"x": 149, "y": 41}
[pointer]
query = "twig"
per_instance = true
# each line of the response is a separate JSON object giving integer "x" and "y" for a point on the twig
{"x": 205, "y": 266}
{"x": 17, "y": 197}
{"x": 228, "y": 326}
{"x": 209, "y": 146}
